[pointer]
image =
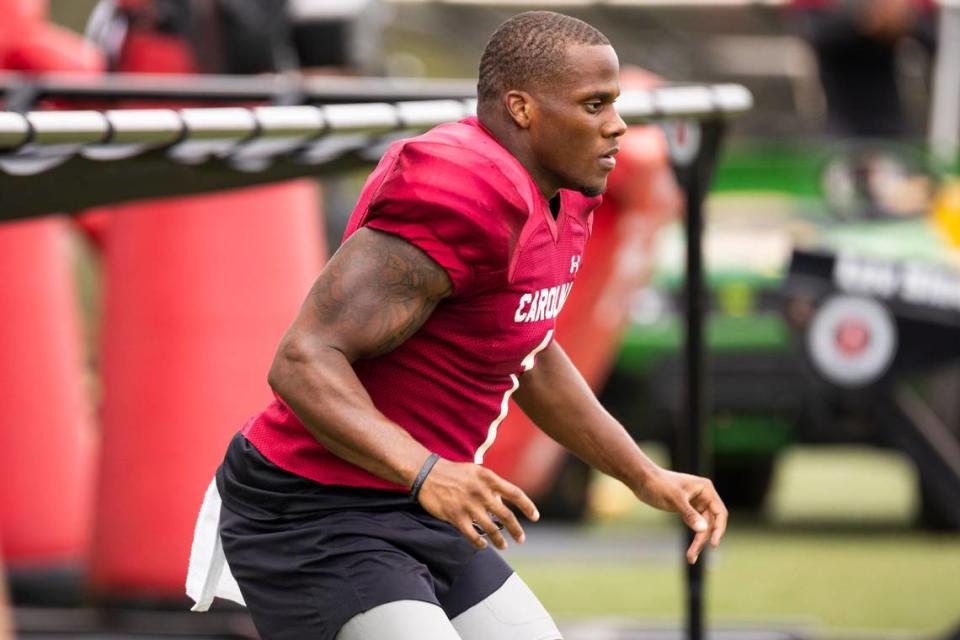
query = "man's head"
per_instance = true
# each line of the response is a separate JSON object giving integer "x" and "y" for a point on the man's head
{"x": 546, "y": 89}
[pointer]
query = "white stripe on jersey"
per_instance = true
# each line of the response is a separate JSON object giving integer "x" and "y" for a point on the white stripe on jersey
{"x": 526, "y": 364}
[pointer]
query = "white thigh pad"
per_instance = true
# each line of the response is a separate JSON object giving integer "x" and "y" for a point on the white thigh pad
{"x": 400, "y": 620}
{"x": 511, "y": 612}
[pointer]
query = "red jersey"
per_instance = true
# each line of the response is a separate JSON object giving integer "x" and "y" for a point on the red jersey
{"x": 464, "y": 200}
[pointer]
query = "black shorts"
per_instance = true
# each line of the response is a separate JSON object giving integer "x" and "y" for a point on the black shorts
{"x": 308, "y": 557}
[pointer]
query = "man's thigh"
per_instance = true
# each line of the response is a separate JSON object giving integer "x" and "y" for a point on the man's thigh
{"x": 400, "y": 620}
{"x": 512, "y": 612}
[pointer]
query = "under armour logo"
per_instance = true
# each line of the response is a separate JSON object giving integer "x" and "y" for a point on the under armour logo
{"x": 574, "y": 264}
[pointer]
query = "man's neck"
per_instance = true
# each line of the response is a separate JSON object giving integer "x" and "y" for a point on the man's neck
{"x": 515, "y": 141}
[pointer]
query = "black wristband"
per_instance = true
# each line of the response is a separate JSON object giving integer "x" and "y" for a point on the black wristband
{"x": 424, "y": 472}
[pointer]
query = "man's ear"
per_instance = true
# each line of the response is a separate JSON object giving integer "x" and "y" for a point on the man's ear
{"x": 520, "y": 107}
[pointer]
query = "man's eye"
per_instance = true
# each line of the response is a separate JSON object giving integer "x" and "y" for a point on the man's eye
{"x": 594, "y": 107}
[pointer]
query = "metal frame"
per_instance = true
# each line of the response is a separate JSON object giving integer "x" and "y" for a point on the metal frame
{"x": 128, "y": 154}
{"x": 158, "y": 127}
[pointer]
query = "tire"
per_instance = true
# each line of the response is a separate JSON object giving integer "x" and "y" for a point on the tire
{"x": 932, "y": 516}
{"x": 743, "y": 482}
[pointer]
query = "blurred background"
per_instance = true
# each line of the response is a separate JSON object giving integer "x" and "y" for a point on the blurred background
{"x": 138, "y": 336}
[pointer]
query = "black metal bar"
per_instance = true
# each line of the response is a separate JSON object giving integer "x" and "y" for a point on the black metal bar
{"x": 150, "y": 175}
{"x": 694, "y": 361}
{"x": 693, "y": 447}
{"x": 274, "y": 89}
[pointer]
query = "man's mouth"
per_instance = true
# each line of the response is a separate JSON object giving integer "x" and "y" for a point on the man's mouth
{"x": 607, "y": 160}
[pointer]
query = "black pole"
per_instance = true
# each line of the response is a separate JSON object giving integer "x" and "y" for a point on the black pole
{"x": 694, "y": 150}
{"x": 693, "y": 357}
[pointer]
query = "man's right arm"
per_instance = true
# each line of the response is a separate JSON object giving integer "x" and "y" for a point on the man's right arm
{"x": 373, "y": 295}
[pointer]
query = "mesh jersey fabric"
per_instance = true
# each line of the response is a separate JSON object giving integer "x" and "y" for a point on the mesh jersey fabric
{"x": 464, "y": 200}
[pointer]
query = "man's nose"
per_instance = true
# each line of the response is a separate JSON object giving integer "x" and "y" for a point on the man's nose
{"x": 616, "y": 127}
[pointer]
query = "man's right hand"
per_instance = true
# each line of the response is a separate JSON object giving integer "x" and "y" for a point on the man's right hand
{"x": 463, "y": 493}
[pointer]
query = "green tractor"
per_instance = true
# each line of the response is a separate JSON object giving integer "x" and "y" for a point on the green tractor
{"x": 768, "y": 200}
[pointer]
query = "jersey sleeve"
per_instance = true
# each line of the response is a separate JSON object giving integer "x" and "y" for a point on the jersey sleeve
{"x": 445, "y": 203}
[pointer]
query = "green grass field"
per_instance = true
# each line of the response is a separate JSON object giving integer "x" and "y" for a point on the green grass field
{"x": 837, "y": 554}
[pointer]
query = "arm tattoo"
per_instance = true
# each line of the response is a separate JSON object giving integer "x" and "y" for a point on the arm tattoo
{"x": 377, "y": 291}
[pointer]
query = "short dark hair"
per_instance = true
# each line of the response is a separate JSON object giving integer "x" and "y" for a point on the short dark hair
{"x": 527, "y": 48}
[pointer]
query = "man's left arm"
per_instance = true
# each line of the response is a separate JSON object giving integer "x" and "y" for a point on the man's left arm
{"x": 557, "y": 398}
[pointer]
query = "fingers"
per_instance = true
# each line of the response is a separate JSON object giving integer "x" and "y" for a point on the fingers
{"x": 706, "y": 514}
{"x": 699, "y": 541}
{"x": 505, "y": 491}
{"x": 515, "y": 496}
{"x": 692, "y": 517}
{"x": 708, "y": 503}
{"x": 509, "y": 521}
{"x": 471, "y": 532}
{"x": 719, "y": 525}
{"x": 491, "y": 530}
{"x": 471, "y": 498}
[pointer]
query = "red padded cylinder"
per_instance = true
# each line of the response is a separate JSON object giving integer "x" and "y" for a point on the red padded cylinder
{"x": 45, "y": 438}
{"x": 46, "y": 448}
{"x": 198, "y": 293}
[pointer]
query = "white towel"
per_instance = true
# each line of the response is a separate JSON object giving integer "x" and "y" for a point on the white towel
{"x": 208, "y": 575}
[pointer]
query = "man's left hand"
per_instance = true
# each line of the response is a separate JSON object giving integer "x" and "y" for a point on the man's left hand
{"x": 695, "y": 499}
